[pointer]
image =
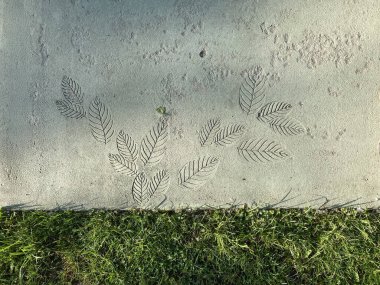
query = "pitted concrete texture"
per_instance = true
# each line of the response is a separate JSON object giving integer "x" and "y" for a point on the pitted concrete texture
{"x": 177, "y": 104}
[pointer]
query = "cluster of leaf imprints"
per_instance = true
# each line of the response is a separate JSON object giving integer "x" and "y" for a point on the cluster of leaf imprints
{"x": 151, "y": 151}
{"x": 196, "y": 173}
{"x": 275, "y": 114}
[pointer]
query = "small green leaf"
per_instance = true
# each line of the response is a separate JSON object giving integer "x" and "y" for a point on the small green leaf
{"x": 161, "y": 110}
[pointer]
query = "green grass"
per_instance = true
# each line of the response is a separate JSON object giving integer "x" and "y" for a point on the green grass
{"x": 204, "y": 247}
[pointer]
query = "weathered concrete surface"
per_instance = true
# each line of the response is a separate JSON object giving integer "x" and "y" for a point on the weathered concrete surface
{"x": 123, "y": 104}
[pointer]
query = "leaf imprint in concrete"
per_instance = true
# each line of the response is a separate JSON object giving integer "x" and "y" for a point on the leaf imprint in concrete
{"x": 252, "y": 93}
{"x": 287, "y": 126}
{"x": 72, "y": 104}
{"x": 273, "y": 110}
{"x": 159, "y": 183}
{"x": 140, "y": 191}
{"x": 208, "y": 132}
{"x": 261, "y": 150}
{"x": 143, "y": 190}
{"x": 122, "y": 165}
{"x": 127, "y": 147}
{"x": 101, "y": 121}
{"x": 197, "y": 172}
{"x": 229, "y": 134}
{"x": 153, "y": 146}
{"x": 71, "y": 90}
{"x": 70, "y": 110}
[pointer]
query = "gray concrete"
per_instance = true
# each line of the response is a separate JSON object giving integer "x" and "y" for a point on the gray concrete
{"x": 124, "y": 104}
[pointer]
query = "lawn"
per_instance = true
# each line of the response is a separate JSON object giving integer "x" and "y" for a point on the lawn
{"x": 244, "y": 246}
